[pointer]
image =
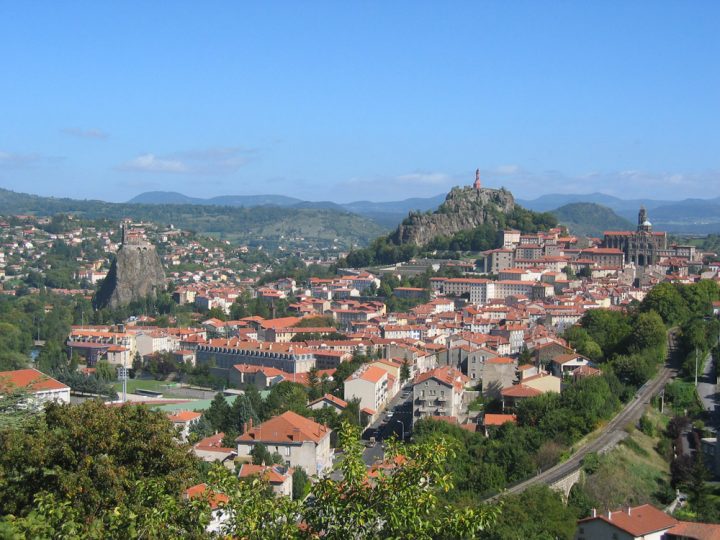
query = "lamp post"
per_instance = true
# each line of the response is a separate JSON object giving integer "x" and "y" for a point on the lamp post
{"x": 402, "y": 424}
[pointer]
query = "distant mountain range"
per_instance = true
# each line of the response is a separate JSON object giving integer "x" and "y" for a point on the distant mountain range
{"x": 266, "y": 225}
{"x": 690, "y": 216}
{"x": 385, "y": 214}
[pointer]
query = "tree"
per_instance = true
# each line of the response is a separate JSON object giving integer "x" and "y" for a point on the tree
{"x": 241, "y": 413}
{"x": 105, "y": 371}
{"x": 218, "y": 414}
{"x": 88, "y": 455}
{"x": 300, "y": 481}
{"x": 666, "y": 301}
{"x": 538, "y": 512}
{"x": 404, "y": 371}
{"x": 52, "y": 359}
{"x": 648, "y": 332}
{"x": 255, "y": 399}
{"x": 260, "y": 455}
{"x": 400, "y": 503}
{"x": 285, "y": 396}
{"x": 314, "y": 384}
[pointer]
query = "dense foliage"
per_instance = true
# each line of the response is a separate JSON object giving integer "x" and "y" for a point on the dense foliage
{"x": 91, "y": 471}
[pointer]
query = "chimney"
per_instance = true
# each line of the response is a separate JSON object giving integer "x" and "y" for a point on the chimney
{"x": 594, "y": 512}
{"x": 245, "y": 427}
{"x": 629, "y": 509}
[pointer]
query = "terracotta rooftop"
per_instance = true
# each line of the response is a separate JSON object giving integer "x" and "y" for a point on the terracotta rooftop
{"x": 520, "y": 391}
{"x": 498, "y": 419}
{"x": 287, "y": 428}
{"x": 332, "y": 399}
{"x": 30, "y": 379}
{"x": 274, "y": 474}
{"x": 638, "y": 520}
{"x": 696, "y": 531}
{"x": 184, "y": 416}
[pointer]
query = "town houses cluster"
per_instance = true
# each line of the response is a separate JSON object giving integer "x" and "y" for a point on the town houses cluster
{"x": 493, "y": 334}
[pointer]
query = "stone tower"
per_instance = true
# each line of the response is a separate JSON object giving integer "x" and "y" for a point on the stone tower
{"x": 644, "y": 224}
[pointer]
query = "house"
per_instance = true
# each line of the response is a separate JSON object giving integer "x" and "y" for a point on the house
{"x": 438, "y": 392}
{"x": 217, "y": 502}
{"x": 300, "y": 441}
{"x": 328, "y": 400}
{"x": 497, "y": 373}
{"x": 370, "y": 385}
{"x": 564, "y": 364}
{"x": 642, "y": 523}
{"x": 183, "y": 421}
{"x": 211, "y": 449}
{"x": 40, "y": 387}
{"x": 279, "y": 477}
{"x": 495, "y": 420}
{"x": 513, "y": 394}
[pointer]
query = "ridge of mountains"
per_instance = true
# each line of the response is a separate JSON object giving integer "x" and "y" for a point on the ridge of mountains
{"x": 385, "y": 214}
{"x": 268, "y": 225}
{"x": 688, "y": 216}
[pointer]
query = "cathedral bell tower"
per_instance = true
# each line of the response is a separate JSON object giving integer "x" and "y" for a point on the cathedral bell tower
{"x": 644, "y": 224}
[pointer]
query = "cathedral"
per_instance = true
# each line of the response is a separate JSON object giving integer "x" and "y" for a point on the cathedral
{"x": 642, "y": 247}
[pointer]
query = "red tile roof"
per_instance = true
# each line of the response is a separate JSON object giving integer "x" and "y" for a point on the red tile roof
{"x": 274, "y": 475}
{"x": 446, "y": 375}
{"x": 697, "y": 531}
{"x": 213, "y": 443}
{"x": 638, "y": 520}
{"x": 30, "y": 379}
{"x": 288, "y": 428}
{"x": 520, "y": 391}
{"x": 332, "y": 399}
{"x": 216, "y": 499}
{"x": 498, "y": 419}
{"x": 182, "y": 417}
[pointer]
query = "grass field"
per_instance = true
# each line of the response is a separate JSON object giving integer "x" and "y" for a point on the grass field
{"x": 633, "y": 472}
{"x": 146, "y": 384}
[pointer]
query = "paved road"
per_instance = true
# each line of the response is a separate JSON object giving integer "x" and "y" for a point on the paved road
{"x": 383, "y": 427}
{"x": 708, "y": 393}
{"x": 613, "y": 431}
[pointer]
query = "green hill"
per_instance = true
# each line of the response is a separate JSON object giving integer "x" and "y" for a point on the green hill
{"x": 270, "y": 226}
{"x": 590, "y": 219}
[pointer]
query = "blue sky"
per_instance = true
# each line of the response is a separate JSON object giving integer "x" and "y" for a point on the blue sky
{"x": 360, "y": 100}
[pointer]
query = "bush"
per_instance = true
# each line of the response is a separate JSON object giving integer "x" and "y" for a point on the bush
{"x": 646, "y": 426}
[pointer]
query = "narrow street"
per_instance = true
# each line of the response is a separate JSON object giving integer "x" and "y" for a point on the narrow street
{"x": 708, "y": 393}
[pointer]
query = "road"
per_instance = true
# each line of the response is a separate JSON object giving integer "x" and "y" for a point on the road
{"x": 383, "y": 427}
{"x": 612, "y": 432}
{"x": 708, "y": 393}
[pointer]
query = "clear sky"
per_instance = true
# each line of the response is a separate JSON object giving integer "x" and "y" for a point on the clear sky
{"x": 346, "y": 100}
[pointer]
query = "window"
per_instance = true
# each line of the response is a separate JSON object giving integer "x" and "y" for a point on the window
{"x": 287, "y": 450}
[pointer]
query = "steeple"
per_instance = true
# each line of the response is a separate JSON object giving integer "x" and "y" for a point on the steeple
{"x": 644, "y": 224}
{"x": 477, "y": 184}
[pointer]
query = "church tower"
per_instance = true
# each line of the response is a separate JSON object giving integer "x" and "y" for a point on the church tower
{"x": 477, "y": 184}
{"x": 644, "y": 224}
